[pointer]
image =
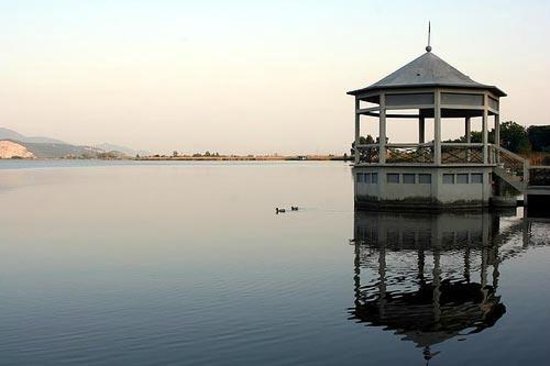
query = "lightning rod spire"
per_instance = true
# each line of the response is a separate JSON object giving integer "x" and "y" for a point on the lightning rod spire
{"x": 428, "y": 47}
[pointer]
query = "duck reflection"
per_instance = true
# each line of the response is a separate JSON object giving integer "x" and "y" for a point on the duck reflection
{"x": 429, "y": 278}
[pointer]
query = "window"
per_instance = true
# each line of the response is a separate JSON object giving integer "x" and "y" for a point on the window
{"x": 367, "y": 178}
{"x": 448, "y": 179}
{"x": 462, "y": 178}
{"x": 425, "y": 178}
{"x": 477, "y": 178}
{"x": 392, "y": 178}
{"x": 409, "y": 178}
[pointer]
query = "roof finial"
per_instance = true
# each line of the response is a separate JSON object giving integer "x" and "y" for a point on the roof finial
{"x": 428, "y": 47}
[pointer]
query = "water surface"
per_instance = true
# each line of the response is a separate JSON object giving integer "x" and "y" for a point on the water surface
{"x": 187, "y": 263}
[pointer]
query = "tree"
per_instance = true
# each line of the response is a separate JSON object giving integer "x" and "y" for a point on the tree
{"x": 539, "y": 137}
{"x": 362, "y": 141}
{"x": 514, "y": 137}
{"x": 175, "y": 153}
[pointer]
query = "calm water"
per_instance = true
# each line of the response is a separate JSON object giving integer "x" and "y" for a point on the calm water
{"x": 153, "y": 264}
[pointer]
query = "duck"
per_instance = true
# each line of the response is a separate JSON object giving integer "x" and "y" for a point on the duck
{"x": 279, "y": 210}
{"x": 294, "y": 208}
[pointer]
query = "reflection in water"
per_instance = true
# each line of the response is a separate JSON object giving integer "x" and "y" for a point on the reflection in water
{"x": 430, "y": 278}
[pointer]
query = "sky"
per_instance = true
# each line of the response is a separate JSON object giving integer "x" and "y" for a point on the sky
{"x": 250, "y": 76}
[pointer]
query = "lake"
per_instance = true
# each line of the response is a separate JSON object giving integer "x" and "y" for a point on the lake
{"x": 189, "y": 264}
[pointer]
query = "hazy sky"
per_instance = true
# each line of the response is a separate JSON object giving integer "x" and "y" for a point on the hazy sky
{"x": 249, "y": 76}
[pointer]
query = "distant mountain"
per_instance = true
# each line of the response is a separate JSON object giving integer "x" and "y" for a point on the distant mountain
{"x": 122, "y": 149}
{"x": 7, "y": 134}
{"x": 56, "y": 151}
{"x": 49, "y": 148}
{"x": 43, "y": 140}
{"x": 13, "y": 150}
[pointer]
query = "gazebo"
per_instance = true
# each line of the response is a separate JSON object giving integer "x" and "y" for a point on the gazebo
{"x": 427, "y": 172}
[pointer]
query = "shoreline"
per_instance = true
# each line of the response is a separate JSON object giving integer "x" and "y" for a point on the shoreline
{"x": 200, "y": 158}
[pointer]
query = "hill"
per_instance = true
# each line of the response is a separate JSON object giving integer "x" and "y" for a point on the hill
{"x": 57, "y": 151}
{"x": 122, "y": 149}
{"x": 7, "y": 134}
{"x": 10, "y": 150}
{"x": 19, "y": 145}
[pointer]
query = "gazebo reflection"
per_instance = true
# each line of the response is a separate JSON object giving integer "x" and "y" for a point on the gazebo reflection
{"x": 428, "y": 277}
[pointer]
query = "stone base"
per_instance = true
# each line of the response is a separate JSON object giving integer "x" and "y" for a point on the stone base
{"x": 500, "y": 201}
{"x": 422, "y": 187}
{"x": 416, "y": 204}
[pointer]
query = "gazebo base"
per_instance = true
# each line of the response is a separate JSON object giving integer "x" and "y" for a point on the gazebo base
{"x": 423, "y": 187}
{"x": 418, "y": 204}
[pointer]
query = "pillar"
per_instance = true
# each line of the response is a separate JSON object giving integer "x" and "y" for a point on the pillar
{"x": 382, "y": 129}
{"x": 497, "y": 138}
{"x": 437, "y": 127}
{"x": 357, "y": 131}
{"x": 484, "y": 131}
{"x": 468, "y": 135}
{"x": 421, "y": 130}
{"x": 497, "y": 129}
{"x": 468, "y": 129}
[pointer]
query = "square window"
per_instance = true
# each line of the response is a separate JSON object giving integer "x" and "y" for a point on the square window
{"x": 409, "y": 178}
{"x": 448, "y": 179}
{"x": 359, "y": 177}
{"x": 425, "y": 178}
{"x": 477, "y": 178}
{"x": 392, "y": 177}
{"x": 374, "y": 178}
{"x": 462, "y": 178}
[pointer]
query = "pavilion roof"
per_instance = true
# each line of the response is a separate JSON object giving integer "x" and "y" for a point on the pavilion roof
{"x": 428, "y": 70}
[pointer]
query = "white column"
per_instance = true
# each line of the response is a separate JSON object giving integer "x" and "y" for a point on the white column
{"x": 468, "y": 130}
{"x": 382, "y": 129}
{"x": 437, "y": 127}
{"x": 485, "y": 134}
{"x": 357, "y": 130}
{"x": 468, "y": 135}
{"x": 421, "y": 130}
{"x": 497, "y": 129}
{"x": 497, "y": 138}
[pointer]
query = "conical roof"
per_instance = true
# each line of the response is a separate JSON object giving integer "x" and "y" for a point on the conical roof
{"x": 427, "y": 70}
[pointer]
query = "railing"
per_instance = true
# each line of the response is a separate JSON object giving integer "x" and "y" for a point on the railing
{"x": 397, "y": 153}
{"x": 513, "y": 164}
{"x": 460, "y": 153}
{"x": 409, "y": 153}
{"x": 539, "y": 175}
{"x": 368, "y": 153}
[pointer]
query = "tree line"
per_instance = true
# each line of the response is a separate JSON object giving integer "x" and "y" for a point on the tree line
{"x": 513, "y": 137}
{"x": 516, "y": 138}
